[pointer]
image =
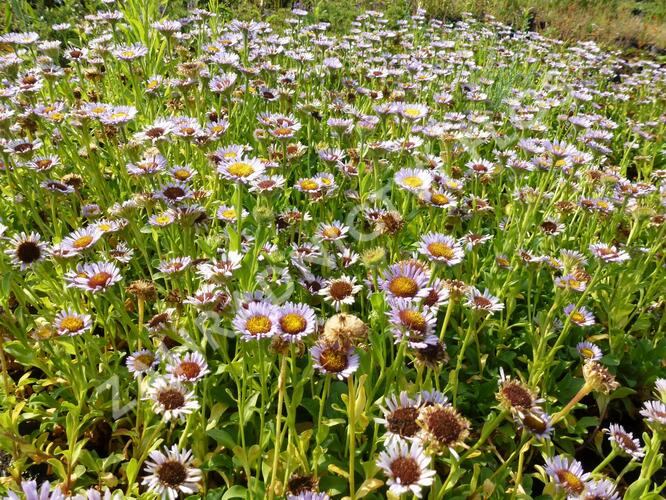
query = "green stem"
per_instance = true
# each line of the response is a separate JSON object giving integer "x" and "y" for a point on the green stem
{"x": 278, "y": 426}
{"x": 351, "y": 409}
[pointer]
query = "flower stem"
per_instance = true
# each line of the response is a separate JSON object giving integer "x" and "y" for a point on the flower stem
{"x": 584, "y": 391}
{"x": 606, "y": 461}
{"x": 447, "y": 316}
{"x": 278, "y": 426}
{"x": 351, "y": 408}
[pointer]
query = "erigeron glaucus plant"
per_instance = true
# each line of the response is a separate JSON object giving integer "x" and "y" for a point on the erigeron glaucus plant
{"x": 414, "y": 258}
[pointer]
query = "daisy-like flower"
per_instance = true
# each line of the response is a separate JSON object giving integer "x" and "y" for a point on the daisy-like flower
{"x": 173, "y": 193}
{"x": 296, "y": 321}
{"x": 655, "y": 413}
{"x": 118, "y": 115}
{"x": 31, "y": 491}
{"x": 400, "y": 414}
{"x": 175, "y": 265}
{"x": 141, "y": 362}
{"x": 413, "y": 112}
{"x": 95, "y": 277}
{"x": 513, "y": 395}
{"x": 256, "y": 321}
{"x": 82, "y": 239}
{"x": 182, "y": 173}
{"x": 26, "y": 249}
{"x": 625, "y": 441}
{"x": 483, "y": 301}
{"x": 437, "y": 296}
{"x": 110, "y": 225}
{"x": 442, "y": 427}
{"x": 340, "y": 291}
{"x": 589, "y": 351}
{"x": 536, "y": 422}
{"x": 72, "y": 323}
{"x": 480, "y": 167}
{"x": 243, "y": 170}
{"x": 441, "y": 248}
{"x": 334, "y": 359}
{"x": 334, "y": 231}
{"x": 221, "y": 83}
{"x": 608, "y": 253}
{"x": 405, "y": 280}
{"x": 411, "y": 320}
{"x": 130, "y": 52}
{"x": 149, "y": 165}
{"x": 413, "y": 179}
{"x": 439, "y": 199}
{"x": 580, "y": 316}
{"x": 568, "y": 474}
{"x": 407, "y": 468}
{"x": 308, "y": 185}
{"x": 431, "y": 353}
{"x": 570, "y": 282}
{"x": 170, "y": 474}
{"x": 603, "y": 489}
{"x": 228, "y": 214}
{"x": 163, "y": 219}
{"x": 188, "y": 368}
{"x": 267, "y": 183}
{"x": 207, "y": 296}
{"x": 171, "y": 399}
{"x": 222, "y": 269}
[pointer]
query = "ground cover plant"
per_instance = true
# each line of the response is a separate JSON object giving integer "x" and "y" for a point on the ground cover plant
{"x": 417, "y": 258}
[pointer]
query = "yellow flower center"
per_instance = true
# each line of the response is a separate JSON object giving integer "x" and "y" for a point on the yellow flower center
{"x": 309, "y": 185}
{"x": 282, "y": 131}
{"x": 570, "y": 481}
{"x": 72, "y": 324}
{"x": 99, "y": 279}
{"x": 439, "y": 199}
{"x": 333, "y": 360}
{"x": 403, "y": 286}
{"x": 143, "y": 361}
{"x": 577, "y": 317}
{"x": 412, "y": 112}
{"x": 240, "y": 169}
{"x": 83, "y": 241}
{"x": 413, "y": 181}
{"x": 230, "y": 213}
{"x": 413, "y": 320}
{"x": 258, "y": 325}
{"x": 331, "y": 232}
{"x": 118, "y": 116}
{"x": 163, "y": 219}
{"x": 293, "y": 323}
{"x": 587, "y": 352}
{"x": 438, "y": 249}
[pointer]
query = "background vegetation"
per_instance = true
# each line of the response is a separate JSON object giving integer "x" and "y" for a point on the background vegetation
{"x": 627, "y": 24}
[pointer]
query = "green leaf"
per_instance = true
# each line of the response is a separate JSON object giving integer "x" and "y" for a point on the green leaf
{"x": 235, "y": 491}
{"x": 132, "y": 470}
{"x": 635, "y": 491}
{"x": 222, "y": 437}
